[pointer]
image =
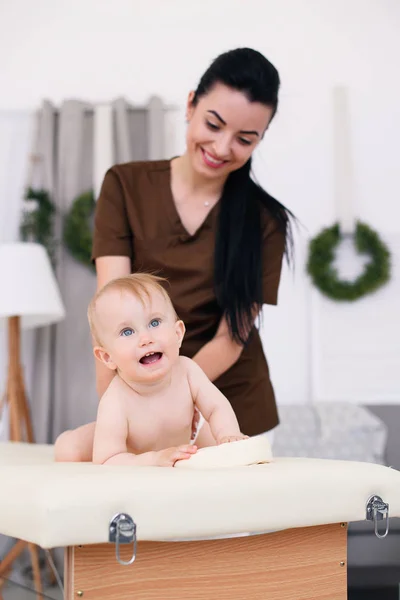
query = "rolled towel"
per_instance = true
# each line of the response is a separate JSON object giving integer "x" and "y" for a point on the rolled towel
{"x": 251, "y": 451}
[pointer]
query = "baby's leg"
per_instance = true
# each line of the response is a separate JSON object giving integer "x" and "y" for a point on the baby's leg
{"x": 205, "y": 437}
{"x": 75, "y": 445}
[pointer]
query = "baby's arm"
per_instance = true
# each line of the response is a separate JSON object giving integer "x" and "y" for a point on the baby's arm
{"x": 213, "y": 405}
{"x": 111, "y": 434}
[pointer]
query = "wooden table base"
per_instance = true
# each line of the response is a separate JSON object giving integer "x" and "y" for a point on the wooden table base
{"x": 295, "y": 564}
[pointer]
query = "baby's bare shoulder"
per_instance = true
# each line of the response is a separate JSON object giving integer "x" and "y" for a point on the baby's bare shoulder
{"x": 187, "y": 364}
{"x": 117, "y": 391}
{"x": 112, "y": 407}
{"x": 114, "y": 386}
{"x": 193, "y": 373}
{"x": 191, "y": 367}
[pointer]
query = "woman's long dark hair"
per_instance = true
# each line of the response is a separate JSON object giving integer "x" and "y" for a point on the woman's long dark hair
{"x": 238, "y": 250}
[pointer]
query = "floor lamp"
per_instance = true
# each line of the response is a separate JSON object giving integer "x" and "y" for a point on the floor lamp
{"x": 29, "y": 298}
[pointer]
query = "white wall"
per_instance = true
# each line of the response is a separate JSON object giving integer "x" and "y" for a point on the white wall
{"x": 99, "y": 50}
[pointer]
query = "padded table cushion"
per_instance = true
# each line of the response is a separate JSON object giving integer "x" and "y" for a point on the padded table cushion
{"x": 61, "y": 504}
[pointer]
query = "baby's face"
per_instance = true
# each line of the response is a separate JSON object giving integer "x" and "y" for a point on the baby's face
{"x": 141, "y": 339}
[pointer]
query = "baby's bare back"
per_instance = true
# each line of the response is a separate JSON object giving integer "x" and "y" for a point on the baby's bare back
{"x": 159, "y": 420}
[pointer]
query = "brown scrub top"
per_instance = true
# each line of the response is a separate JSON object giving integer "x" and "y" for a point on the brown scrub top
{"x": 136, "y": 216}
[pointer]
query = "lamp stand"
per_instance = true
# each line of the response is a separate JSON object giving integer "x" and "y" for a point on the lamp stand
{"x": 20, "y": 431}
{"x": 20, "y": 418}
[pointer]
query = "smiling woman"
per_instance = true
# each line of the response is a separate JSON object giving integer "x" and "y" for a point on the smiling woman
{"x": 200, "y": 221}
{"x": 224, "y": 127}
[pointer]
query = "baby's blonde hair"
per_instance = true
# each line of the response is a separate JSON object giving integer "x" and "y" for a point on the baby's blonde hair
{"x": 137, "y": 284}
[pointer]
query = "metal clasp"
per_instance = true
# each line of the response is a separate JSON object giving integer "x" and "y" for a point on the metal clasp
{"x": 377, "y": 510}
{"x": 122, "y": 530}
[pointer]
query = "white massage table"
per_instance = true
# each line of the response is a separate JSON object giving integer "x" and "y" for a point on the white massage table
{"x": 297, "y": 510}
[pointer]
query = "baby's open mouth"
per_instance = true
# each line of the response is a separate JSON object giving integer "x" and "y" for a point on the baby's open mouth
{"x": 151, "y": 358}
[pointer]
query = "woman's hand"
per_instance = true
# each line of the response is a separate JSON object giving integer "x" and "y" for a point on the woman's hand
{"x": 219, "y": 354}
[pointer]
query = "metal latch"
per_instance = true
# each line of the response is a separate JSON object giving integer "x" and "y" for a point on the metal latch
{"x": 122, "y": 530}
{"x": 377, "y": 510}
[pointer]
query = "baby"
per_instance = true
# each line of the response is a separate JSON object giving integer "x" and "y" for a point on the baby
{"x": 145, "y": 416}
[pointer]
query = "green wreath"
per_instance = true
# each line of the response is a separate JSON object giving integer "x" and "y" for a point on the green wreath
{"x": 324, "y": 275}
{"x": 77, "y": 232}
{"x": 37, "y": 223}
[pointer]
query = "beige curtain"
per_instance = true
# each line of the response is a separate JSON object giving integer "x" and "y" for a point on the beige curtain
{"x": 60, "y": 374}
{"x": 62, "y": 386}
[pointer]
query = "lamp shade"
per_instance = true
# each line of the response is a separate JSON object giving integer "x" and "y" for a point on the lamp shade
{"x": 28, "y": 287}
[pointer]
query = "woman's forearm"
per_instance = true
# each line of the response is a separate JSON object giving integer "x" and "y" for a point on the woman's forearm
{"x": 217, "y": 356}
{"x": 108, "y": 268}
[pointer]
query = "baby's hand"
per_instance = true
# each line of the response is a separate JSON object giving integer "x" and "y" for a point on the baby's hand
{"x": 169, "y": 456}
{"x": 232, "y": 438}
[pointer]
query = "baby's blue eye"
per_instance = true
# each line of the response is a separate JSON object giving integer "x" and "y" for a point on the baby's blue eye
{"x": 126, "y": 332}
{"x": 155, "y": 323}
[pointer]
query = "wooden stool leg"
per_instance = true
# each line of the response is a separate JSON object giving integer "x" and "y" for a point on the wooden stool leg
{"x": 6, "y": 563}
{"x": 34, "y": 552}
{"x": 15, "y": 551}
{"x": 6, "y": 566}
{"x": 50, "y": 563}
{"x": 3, "y": 581}
{"x": 4, "y": 576}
